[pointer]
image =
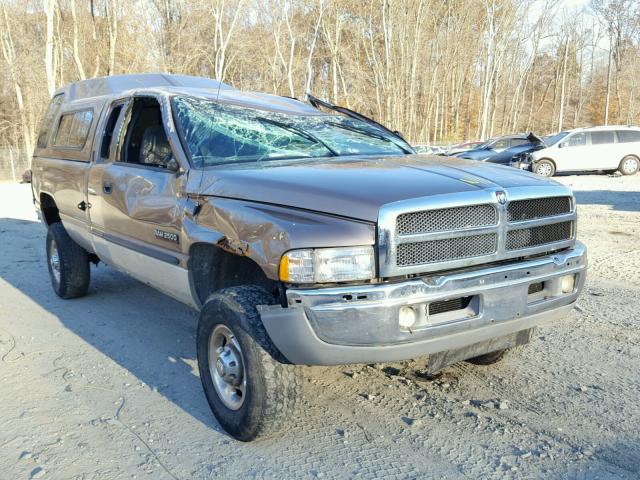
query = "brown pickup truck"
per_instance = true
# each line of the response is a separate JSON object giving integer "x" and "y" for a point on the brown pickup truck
{"x": 304, "y": 233}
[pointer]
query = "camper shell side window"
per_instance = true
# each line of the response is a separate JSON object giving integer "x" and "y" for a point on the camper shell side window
{"x": 48, "y": 118}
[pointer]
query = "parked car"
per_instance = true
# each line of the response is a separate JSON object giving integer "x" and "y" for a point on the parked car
{"x": 506, "y": 157}
{"x": 463, "y": 147}
{"x": 432, "y": 149}
{"x": 607, "y": 148}
{"x": 303, "y": 237}
{"x": 491, "y": 148}
{"x": 522, "y": 159}
{"x": 26, "y": 176}
{"x": 419, "y": 148}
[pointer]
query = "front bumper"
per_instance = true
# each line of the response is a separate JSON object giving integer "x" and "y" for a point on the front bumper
{"x": 359, "y": 324}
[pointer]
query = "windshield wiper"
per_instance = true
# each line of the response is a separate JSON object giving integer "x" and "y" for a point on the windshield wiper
{"x": 368, "y": 133}
{"x": 317, "y": 103}
{"x": 299, "y": 131}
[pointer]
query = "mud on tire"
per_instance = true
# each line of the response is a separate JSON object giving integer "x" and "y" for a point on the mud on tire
{"x": 267, "y": 400}
{"x": 68, "y": 263}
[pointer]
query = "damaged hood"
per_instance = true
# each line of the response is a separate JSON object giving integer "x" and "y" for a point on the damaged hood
{"x": 354, "y": 187}
{"x": 535, "y": 139}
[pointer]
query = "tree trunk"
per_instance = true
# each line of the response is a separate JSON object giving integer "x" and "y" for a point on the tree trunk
{"x": 112, "y": 18}
{"x": 312, "y": 47}
{"x": 9, "y": 54}
{"x": 562, "y": 84}
{"x": 50, "y": 10}
{"x": 94, "y": 37}
{"x": 76, "y": 51}
{"x": 608, "y": 95}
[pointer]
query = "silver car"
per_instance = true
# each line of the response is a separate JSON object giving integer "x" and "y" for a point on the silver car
{"x": 607, "y": 148}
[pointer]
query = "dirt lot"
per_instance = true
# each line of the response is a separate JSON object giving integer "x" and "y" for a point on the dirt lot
{"x": 107, "y": 386}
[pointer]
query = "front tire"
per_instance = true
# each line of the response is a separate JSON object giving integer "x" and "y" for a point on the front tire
{"x": 251, "y": 389}
{"x": 629, "y": 165}
{"x": 68, "y": 263}
{"x": 544, "y": 168}
{"x": 488, "y": 358}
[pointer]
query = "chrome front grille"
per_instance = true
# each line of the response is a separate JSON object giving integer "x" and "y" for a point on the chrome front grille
{"x": 541, "y": 235}
{"x": 421, "y": 253}
{"x": 471, "y": 228}
{"x": 530, "y": 209}
{"x": 457, "y": 218}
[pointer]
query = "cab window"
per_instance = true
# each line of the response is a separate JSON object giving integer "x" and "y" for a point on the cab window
{"x": 628, "y": 136}
{"x": 576, "y": 140}
{"x": 47, "y": 120}
{"x": 109, "y": 128}
{"x": 73, "y": 129}
{"x": 500, "y": 144}
{"x": 145, "y": 141}
{"x": 601, "y": 138}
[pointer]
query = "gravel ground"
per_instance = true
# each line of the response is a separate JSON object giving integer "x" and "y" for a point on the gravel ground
{"x": 107, "y": 386}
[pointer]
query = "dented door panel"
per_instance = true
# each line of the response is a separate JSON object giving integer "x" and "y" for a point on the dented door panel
{"x": 139, "y": 203}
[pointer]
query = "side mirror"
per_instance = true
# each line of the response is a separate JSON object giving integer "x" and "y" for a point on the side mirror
{"x": 171, "y": 164}
{"x": 563, "y": 144}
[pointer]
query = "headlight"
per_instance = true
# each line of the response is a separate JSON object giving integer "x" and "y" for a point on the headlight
{"x": 320, "y": 265}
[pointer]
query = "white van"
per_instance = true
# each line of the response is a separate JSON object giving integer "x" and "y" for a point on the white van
{"x": 607, "y": 148}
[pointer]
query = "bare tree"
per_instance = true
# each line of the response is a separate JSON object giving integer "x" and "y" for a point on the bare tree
{"x": 9, "y": 55}
{"x": 621, "y": 18}
{"x": 437, "y": 71}
{"x": 50, "y": 10}
{"x": 76, "y": 50}
{"x": 111, "y": 13}
{"x": 223, "y": 33}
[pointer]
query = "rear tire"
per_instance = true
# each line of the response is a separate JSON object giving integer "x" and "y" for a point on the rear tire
{"x": 250, "y": 387}
{"x": 68, "y": 263}
{"x": 544, "y": 168}
{"x": 629, "y": 165}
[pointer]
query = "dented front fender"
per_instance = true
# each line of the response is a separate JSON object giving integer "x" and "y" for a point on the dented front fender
{"x": 265, "y": 232}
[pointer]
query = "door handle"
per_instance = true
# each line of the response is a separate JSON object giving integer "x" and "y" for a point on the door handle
{"x": 107, "y": 188}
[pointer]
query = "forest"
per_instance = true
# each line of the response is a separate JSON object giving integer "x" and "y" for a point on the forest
{"x": 439, "y": 71}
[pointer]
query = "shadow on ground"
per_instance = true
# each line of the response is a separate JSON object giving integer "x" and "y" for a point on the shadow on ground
{"x": 621, "y": 201}
{"x": 144, "y": 331}
{"x": 597, "y": 463}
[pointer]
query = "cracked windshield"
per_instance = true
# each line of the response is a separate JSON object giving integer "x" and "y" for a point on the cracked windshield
{"x": 216, "y": 133}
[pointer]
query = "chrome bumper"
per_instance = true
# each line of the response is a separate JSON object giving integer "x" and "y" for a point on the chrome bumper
{"x": 338, "y": 325}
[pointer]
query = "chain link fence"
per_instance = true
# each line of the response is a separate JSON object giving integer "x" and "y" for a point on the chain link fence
{"x": 13, "y": 163}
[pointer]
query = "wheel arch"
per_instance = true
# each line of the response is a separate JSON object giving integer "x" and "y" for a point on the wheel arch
{"x": 546, "y": 159}
{"x": 212, "y": 268}
{"x": 629, "y": 155}
{"x": 49, "y": 209}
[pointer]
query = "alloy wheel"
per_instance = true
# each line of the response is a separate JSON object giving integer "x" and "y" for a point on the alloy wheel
{"x": 629, "y": 166}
